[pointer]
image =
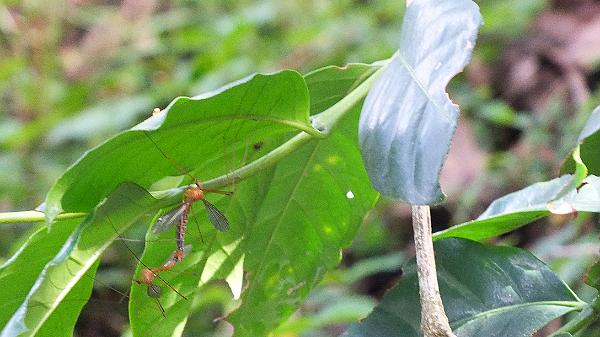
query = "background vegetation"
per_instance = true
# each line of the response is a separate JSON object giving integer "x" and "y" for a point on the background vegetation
{"x": 75, "y": 72}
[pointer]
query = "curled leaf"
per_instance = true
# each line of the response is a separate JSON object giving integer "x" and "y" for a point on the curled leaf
{"x": 407, "y": 121}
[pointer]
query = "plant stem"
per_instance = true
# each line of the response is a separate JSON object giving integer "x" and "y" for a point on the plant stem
{"x": 325, "y": 122}
{"x": 34, "y": 216}
{"x": 434, "y": 322}
{"x": 587, "y": 316}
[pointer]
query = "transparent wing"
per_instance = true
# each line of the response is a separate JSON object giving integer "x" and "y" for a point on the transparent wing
{"x": 217, "y": 217}
{"x": 186, "y": 250}
{"x": 168, "y": 219}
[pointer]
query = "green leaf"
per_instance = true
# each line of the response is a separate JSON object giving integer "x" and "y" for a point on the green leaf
{"x": 298, "y": 216}
{"x": 557, "y": 204}
{"x": 407, "y": 121}
{"x": 48, "y": 308}
{"x": 20, "y": 272}
{"x": 214, "y": 255}
{"x": 192, "y": 132}
{"x": 486, "y": 290}
{"x": 589, "y": 143}
{"x": 284, "y": 216}
{"x": 593, "y": 276}
{"x": 329, "y": 85}
{"x": 527, "y": 205}
{"x": 219, "y": 256}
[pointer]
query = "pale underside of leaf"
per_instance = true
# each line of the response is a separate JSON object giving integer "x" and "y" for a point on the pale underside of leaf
{"x": 407, "y": 121}
{"x": 527, "y": 205}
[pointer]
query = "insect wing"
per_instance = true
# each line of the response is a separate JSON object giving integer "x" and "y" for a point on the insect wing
{"x": 217, "y": 217}
{"x": 186, "y": 250}
{"x": 166, "y": 220}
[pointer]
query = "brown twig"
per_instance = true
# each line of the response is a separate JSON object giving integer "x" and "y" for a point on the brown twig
{"x": 434, "y": 322}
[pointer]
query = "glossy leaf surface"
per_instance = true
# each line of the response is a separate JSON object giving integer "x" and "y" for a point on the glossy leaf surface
{"x": 487, "y": 291}
{"x": 302, "y": 188}
{"x": 20, "y": 272}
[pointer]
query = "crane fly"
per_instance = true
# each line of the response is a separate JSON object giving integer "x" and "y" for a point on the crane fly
{"x": 180, "y": 215}
{"x": 150, "y": 274}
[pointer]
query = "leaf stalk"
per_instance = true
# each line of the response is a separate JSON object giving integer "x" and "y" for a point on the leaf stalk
{"x": 590, "y": 314}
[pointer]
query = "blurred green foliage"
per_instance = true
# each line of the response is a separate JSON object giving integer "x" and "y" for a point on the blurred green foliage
{"x": 74, "y": 72}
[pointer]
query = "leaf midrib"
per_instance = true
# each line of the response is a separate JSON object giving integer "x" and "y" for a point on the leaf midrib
{"x": 306, "y": 127}
{"x": 575, "y": 305}
{"x": 413, "y": 75}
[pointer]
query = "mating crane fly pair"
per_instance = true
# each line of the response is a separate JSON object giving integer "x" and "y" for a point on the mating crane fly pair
{"x": 179, "y": 215}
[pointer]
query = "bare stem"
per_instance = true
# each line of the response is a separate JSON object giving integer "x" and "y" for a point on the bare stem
{"x": 33, "y": 216}
{"x": 434, "y": 322}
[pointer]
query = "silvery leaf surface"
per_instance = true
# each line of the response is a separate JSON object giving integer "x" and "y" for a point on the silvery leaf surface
{"x": 408, "y": 120}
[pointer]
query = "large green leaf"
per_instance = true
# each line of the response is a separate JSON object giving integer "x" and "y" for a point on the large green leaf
{"x": 312, "y": 206}
{"x": 407, "y": 121}
{"x": 299, "y": 180}
{"x": 527, "y": 205}
{"x": 487, "y": 291}
{"x": 302, "y": 212}
{"x": 20, "y": 272}
{"x": 282, "y": 217}
{"x": 192, "y": 132}
{"x": 299, "y": 215}
{"x": 54, "y": 300}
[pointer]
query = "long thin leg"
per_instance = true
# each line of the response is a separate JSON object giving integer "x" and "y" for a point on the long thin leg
{"x": 217, "y": 191}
